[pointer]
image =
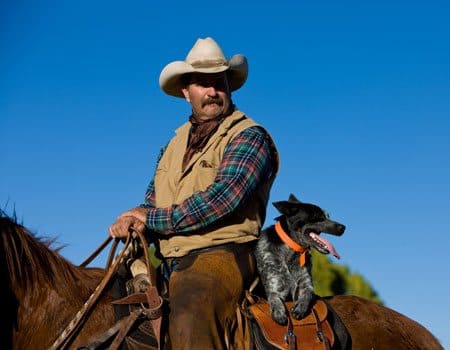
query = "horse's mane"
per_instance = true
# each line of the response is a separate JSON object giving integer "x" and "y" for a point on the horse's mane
{"x": 28, "y": 259}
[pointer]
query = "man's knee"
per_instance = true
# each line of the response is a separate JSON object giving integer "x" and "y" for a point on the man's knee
{"x": 194, "y": 325}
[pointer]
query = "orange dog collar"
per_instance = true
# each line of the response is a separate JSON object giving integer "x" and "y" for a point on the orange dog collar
{"x": 291, "y": 243}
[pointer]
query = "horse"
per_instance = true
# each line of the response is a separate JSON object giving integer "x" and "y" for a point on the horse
{"x": 42, "y": 291}
{"x": 373, "y": 326}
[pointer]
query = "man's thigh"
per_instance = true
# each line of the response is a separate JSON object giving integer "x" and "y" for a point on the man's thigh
{"x": 222, "y": 273}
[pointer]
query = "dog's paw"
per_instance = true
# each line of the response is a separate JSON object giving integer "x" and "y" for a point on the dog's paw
{"x": 280, "y": 317}
{"x": 300, "y": 309}
{"x": 278, "y": 312}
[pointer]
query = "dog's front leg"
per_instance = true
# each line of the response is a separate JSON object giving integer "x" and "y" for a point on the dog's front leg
{"x": 302, "y": 293}
{"x": 277, "y": 289}
{"x": 277, "y": 309}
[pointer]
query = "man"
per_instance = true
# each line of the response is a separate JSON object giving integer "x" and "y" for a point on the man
{"x": 207, "y": 201}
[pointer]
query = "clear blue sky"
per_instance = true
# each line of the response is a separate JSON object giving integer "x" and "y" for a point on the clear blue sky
{"x": 356, "y": 95}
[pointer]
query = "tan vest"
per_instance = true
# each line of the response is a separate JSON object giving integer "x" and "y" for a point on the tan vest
{"x": 172, "y": 186}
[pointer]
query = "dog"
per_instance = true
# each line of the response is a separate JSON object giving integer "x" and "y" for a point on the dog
{"x": 285, "y": 272}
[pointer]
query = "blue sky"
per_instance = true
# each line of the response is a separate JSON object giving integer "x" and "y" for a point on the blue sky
{"x": 355, "y": 94}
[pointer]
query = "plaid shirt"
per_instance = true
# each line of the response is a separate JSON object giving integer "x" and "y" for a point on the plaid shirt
{"x": 247, "y": 161}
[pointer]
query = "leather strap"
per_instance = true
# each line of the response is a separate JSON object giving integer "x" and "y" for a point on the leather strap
{"x": 64, "y": 339}
{"x": 320, "y": 334}
{"x": 290, "y": 336}
{"x": 154, "y": 312}
{"x": 124, "y": 329}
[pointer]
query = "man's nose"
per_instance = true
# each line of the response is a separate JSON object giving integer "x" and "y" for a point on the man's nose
{"x": 211, "y": 91}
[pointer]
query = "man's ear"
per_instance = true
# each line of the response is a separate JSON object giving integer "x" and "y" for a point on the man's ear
{"x": 185, "y": 92}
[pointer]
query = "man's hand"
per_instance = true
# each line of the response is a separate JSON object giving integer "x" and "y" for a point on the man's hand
{"x": 132, "y": 219}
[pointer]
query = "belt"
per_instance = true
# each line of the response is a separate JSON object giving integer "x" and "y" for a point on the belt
{"x": 170, "y": 264}
{"x": 230, "y": 247}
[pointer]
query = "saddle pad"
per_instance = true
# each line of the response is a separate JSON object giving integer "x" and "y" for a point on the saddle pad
{"x": 306, "y": 330}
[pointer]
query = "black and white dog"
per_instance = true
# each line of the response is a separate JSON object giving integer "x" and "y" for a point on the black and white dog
{"x": 283, "y": 258}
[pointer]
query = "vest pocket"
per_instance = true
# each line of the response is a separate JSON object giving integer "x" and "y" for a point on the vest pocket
{"x": 206, "y": 176}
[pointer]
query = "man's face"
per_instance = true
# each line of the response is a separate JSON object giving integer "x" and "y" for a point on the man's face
{"x": 208, "y": 94}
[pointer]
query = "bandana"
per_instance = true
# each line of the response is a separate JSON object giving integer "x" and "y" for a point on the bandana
{"x": 201, "y": 132}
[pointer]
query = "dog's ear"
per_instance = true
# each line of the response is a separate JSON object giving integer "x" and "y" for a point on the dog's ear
{"x": 293, "y": 199}
{"x": 286, "y": 207}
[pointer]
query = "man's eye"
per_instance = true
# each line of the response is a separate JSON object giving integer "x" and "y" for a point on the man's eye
{"x": 200, "y": 84}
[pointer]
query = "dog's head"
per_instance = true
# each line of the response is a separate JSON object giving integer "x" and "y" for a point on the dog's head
{"x": 306, "y": 221}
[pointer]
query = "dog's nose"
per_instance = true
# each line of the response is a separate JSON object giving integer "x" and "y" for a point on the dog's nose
{"x": 341, "y": 229}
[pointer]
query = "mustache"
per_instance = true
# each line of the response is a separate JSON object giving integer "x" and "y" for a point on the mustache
{"x": 213, "y": 100}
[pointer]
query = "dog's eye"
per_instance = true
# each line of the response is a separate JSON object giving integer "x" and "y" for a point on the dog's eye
{"x": 296, "y": 227}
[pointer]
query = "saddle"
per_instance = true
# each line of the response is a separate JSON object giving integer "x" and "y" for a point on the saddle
{"x": 313, "y": 332}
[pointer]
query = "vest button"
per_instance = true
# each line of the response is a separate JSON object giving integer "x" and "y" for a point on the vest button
{"x": 176, "y": 248}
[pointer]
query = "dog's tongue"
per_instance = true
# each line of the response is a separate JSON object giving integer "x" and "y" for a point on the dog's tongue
{"x": 326, "y": 244}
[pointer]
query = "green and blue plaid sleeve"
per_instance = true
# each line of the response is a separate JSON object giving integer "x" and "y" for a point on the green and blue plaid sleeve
{"x": 247, "y": 162}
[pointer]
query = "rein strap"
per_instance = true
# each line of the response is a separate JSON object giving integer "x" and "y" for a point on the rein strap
{"x": 291, "y": 243}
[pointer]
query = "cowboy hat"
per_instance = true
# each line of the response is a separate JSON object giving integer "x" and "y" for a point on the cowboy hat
{"x": 206, "y": 56}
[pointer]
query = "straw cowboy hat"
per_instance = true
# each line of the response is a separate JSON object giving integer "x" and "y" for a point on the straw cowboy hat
{"x": 206, "y": 56}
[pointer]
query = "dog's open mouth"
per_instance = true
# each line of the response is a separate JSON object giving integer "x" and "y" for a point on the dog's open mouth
{"x": 325, "y": 244}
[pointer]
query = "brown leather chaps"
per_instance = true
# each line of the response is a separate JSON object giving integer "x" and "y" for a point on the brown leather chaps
{"x": 205, "y": 289}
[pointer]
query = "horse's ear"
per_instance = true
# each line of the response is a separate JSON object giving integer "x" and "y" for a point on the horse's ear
{"x": 292, "y": 198}
{"x": 286, "y": 207}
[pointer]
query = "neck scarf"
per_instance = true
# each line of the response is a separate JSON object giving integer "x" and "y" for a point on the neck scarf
{"x": 201, "y": 132}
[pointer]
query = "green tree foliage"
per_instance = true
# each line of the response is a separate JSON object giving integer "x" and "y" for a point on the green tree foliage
{"x": 333, "y": 279}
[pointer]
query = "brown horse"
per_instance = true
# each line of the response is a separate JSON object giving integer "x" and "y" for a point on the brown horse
{"x": 373, "y": 326}
{"x": 42, "y": 292}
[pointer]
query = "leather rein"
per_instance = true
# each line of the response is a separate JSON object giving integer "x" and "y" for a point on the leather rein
{"x": 155, "y": 301}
